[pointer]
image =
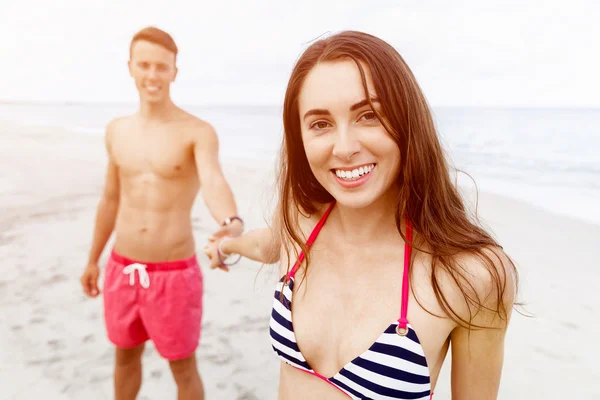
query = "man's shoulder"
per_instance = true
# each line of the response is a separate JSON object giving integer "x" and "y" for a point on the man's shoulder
{"x": 195, "y": 123}
{"x": 197, "y": 128}
{"x": 118, "y": 123}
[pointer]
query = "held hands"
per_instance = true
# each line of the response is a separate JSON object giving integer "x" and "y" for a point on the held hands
{"x": 213, "y": 249}
{"x": 214, "y": 254}
{"x": 235, "y": 228}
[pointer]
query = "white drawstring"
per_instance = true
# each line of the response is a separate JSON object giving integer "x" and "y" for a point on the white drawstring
{"x": 143, "y": 274}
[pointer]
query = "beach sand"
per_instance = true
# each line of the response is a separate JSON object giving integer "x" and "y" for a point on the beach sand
{"x": 52, "y": 339}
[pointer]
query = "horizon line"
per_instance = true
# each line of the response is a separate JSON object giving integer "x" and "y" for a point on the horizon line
{"x": 259, "y": 104}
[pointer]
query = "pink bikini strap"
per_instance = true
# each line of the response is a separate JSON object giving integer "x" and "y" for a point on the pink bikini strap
{"x": 403, "y": 321}
{"x": 310, "y": 241}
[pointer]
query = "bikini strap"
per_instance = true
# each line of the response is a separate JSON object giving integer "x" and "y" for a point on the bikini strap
{"x": 403, "y": 321}
{"x": 310, "y": 241}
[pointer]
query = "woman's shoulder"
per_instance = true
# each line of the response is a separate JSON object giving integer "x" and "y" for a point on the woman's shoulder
{"x": 479, "y": 286}
{"x": 301, "y": 224}
{"x": 308, "y": 221}
{"x": 297, "y": 220}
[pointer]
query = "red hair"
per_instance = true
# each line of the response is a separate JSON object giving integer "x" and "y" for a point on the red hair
{"x": 156, "y": 36}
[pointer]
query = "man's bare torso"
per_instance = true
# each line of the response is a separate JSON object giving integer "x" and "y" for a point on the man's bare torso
{"x": 158, "y": 182}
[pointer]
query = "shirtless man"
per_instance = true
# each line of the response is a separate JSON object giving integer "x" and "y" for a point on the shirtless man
{"x": 157, "y": 160}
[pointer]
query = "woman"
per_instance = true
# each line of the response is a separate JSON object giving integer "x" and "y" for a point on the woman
{"x": 397, "y": 270}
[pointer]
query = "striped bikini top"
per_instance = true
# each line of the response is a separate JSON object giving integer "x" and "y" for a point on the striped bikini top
{"x": 394, "y": 367}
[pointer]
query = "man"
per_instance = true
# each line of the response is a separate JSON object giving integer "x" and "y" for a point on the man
{"x": 158, "y": 158}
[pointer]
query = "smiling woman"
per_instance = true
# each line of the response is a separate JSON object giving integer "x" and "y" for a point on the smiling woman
{"x": 342, "y": 133}
{"x": 397, "y": 269}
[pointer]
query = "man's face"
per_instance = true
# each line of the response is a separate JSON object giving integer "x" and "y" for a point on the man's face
{"x": 153, "y": 69}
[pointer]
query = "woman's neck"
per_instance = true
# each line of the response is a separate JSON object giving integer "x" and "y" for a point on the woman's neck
{"x": 363, "y": 224}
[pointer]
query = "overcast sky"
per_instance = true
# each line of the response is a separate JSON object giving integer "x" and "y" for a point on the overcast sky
{"x": 464, "y": 52}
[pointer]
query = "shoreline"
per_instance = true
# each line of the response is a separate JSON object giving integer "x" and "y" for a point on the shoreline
{"x": 265, "y": 163}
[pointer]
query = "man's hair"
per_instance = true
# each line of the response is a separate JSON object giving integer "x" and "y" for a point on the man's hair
{"x": 156, "y": 36}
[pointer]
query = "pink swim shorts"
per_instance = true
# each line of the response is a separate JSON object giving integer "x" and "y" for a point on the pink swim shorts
{"x": 157, "y": 301}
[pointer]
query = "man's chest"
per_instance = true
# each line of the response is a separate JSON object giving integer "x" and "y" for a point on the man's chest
{"x": 154, "y": 154}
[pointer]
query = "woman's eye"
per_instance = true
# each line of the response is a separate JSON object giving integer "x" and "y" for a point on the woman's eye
{"x": 319, "y": 125}
{"x": 369, "y": 116}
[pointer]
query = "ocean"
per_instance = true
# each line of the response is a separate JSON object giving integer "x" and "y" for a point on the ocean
{"x": 546, "y": 157}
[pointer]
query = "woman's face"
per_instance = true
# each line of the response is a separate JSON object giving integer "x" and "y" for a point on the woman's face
{"x": 348, "y": 149}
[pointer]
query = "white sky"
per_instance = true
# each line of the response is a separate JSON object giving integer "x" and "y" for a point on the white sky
{"x": 537, "y": 53}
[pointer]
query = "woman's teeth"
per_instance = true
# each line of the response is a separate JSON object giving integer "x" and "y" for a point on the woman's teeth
{"x": 356, "y": 173}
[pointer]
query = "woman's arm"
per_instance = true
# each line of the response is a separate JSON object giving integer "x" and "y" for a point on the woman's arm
{"x": 478, "y": 354}
{"x": 477, "y": 361}
{"x": 259, "y": 245}
{"x": 262, "y": 245}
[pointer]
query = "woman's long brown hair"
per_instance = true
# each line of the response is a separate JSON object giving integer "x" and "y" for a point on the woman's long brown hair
{"x": 428, "y": 197}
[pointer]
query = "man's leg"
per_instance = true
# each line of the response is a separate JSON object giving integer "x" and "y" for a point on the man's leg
{"x": 187, "y": 378}
{"x": 172, "y": 317}
{"x": 128, "y": 372}
{"x": 124, "y": 328}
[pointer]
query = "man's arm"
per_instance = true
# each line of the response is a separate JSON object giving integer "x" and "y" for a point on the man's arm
{"x": 108, "y": 207}
{"x": 216, "y": 192}
{"x": 106, "y": 215}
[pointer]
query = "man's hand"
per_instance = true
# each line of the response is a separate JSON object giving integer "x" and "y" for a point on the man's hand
{"x": 235, "y": 228}
{"x": 89, "y": 280}
{"x": 211, "y": 251}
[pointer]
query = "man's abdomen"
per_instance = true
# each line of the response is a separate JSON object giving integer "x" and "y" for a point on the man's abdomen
{"x": 154, "y": 236}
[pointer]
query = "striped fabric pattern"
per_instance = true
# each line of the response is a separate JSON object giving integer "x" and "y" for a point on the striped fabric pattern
{"x": 394, "y": 367}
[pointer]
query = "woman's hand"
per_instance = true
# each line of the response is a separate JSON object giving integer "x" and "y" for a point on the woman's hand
{"x": 211, "y": 249}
